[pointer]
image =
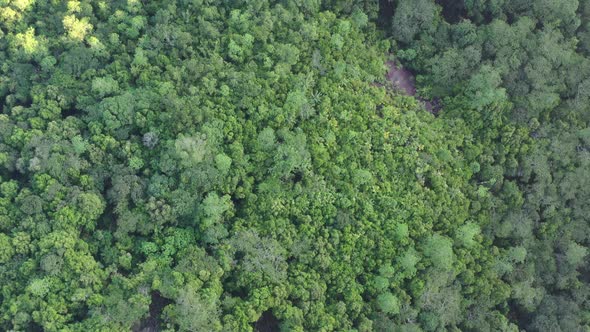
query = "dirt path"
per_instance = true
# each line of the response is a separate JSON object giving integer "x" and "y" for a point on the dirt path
{"x": 403, "y": 80}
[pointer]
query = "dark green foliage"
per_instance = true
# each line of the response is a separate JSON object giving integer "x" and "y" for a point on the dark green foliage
{"x": 198, "y": 165}
{"x": 516, "y": 73}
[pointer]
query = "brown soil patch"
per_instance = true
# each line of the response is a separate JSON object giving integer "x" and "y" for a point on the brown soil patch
{"x": 403, "y": 80}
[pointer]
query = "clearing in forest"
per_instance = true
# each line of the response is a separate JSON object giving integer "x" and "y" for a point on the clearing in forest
{"x": 403, "y": 80}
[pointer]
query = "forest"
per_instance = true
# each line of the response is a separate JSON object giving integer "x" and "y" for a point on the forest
{"x": 295, "y": 165}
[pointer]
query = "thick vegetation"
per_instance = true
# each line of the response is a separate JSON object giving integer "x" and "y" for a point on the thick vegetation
{"x": 526, "y": 64}
{"x": 214, "y": 165}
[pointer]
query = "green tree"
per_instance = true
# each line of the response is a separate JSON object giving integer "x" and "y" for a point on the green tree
{"x": 412, "y": 18}
{"x": 439, "y": 249}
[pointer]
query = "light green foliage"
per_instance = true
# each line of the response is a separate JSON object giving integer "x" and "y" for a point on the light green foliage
{"x": 214, "y": 207}
{"x": 76, "y": 29}
{"x": 381, "y": 283}
{"x": 190, "y": 150}
{"x": 388, "y": 303}
{"x": 517, "y": 254}
{"x": 91, "y": 205}
{"x": 136, "y": 163}
{"x": 408, "y": 263}
{"x": 27, "y": 41}
{"x": 6, "y": 249}
{"x": 483, "y": 89}
{"x": 223, "y": 163}
{"x": 575, "y": 254}
{"x": 386, "y": 271}
{"x": 226, "y": 165}
{"x": 466, "y": 233}
{"x": 401, "y": 232}
{"x": 439, "y": 249}
{"x": 104, "y": 86}
{"x": 266, "y": 138}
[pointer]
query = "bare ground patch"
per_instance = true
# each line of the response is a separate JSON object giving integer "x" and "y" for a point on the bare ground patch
{"x": 403, "y": 80}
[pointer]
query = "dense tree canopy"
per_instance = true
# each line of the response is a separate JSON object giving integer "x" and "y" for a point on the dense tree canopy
{"x": 203, "y": 165}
